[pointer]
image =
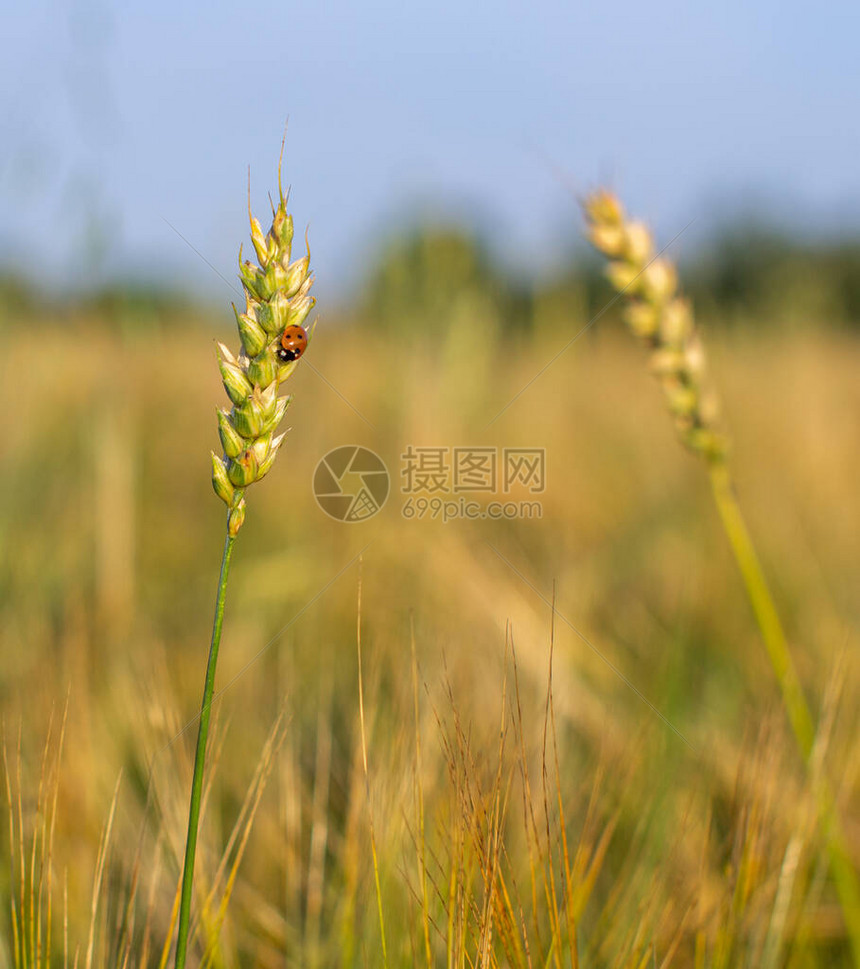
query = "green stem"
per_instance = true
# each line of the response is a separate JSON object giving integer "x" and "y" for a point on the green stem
{"x": 793, "y": 698}
{"x": 764, "y": 609}
{"x": 199, "y": 760}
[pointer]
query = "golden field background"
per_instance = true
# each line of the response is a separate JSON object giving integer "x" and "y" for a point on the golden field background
{"x": 698, "y": 849}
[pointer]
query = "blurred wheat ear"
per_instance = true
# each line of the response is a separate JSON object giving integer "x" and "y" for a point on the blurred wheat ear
{"x": 663, "y": 320}
{"x": 277, "y": 296}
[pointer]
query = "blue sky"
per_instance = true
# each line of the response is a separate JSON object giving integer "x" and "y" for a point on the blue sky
{"x": 119, "y": 119}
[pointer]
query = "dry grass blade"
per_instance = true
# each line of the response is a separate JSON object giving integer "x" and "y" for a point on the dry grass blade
{"x": 238, "y": 841}
{"x": 367, "y": 778}
{"x": 31, "y": 909}
{"x": 101, "y": 861}
{"x": 418, "y": 784}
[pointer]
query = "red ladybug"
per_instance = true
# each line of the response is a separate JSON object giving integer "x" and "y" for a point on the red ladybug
{"x": 293, "y": 344}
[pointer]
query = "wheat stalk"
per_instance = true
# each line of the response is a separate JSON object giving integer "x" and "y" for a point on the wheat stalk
{"x": 663, "y": 320}
{"x": 277, "y": 297}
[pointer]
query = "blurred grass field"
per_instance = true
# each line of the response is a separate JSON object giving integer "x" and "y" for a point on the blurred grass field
{"x": 696, "y": 833}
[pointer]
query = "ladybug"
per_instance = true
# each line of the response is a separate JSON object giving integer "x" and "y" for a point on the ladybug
{"x": 293, "y": 343}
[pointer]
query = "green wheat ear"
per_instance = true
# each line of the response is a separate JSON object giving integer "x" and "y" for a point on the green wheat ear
{"x": 277, "y": 295}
